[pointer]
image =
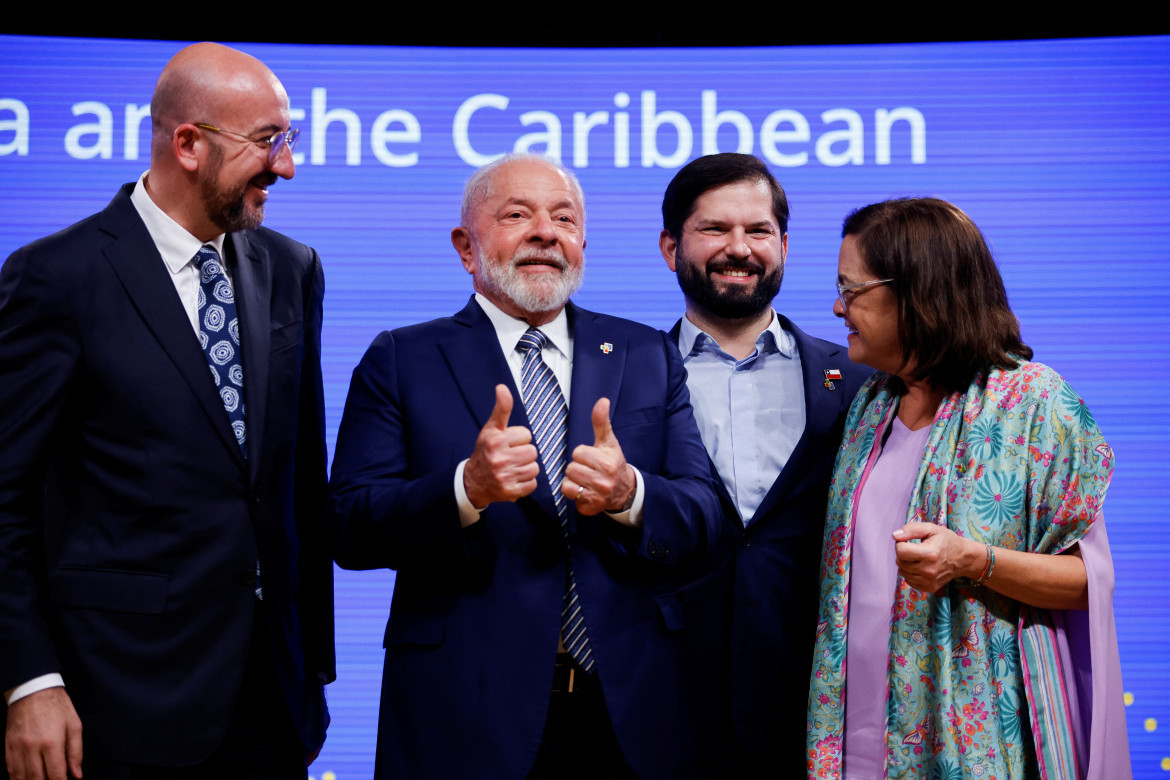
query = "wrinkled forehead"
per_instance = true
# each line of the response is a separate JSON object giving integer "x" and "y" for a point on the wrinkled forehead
{"x": 267, "y": 108}
{"x": 530, "y": 180}
{"x": 254, "y": 104}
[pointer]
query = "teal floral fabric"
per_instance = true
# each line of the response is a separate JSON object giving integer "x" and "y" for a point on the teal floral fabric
{"x": 1016, "y": 461}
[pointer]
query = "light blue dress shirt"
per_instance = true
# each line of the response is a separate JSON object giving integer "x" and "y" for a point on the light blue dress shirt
{"x": 750, "y": 412}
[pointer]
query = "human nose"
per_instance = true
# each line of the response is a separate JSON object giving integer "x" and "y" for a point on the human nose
{"x": 839, "y": 309}
{"x": 737, "y": 245}
{"x": 541, "y": 228}
{"x": 282, "y": 164}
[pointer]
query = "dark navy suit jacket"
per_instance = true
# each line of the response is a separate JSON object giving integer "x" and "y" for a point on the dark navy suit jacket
{"x": 474, "y": 624}
{"x": 130, "y": 522}
{"x": 752, "y": 607}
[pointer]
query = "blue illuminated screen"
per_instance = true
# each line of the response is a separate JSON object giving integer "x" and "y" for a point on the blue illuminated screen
{"x": 1059, "y": 150}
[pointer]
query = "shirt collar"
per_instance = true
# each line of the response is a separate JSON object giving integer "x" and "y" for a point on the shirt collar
{"x": 692, "y": 340}
{"x": 509, "y": 329}
{"x": 174, "y": 243}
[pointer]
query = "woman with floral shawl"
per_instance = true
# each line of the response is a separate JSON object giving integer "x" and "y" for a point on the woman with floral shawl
{"x": 966, "y": 625}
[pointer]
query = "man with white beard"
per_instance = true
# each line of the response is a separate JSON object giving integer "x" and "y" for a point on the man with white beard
{"x": 533, "y": 472}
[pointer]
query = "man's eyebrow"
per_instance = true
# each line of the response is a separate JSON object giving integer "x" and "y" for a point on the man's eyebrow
{"x": 523, "y": 200}
{"x": 267, "y": 131}
{"x": 514, "y": 201}
{"x": 720, "y": 221}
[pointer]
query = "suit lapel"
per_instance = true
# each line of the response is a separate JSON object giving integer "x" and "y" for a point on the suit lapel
{"x": 477, "y": 365}
{"x": 474, "y": 359}
{"x": 599, "y": 362}
{"x": 252, "y": 284}
{"x": 821, "y": 408}
{"x": 139, "y": 267}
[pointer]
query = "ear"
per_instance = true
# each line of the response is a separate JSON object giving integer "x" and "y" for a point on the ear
{"x": 783, "y": 250}
{"x": 669, "y": 247}
{"x": 461, "y": 240}
{"x": 186, "y": 145}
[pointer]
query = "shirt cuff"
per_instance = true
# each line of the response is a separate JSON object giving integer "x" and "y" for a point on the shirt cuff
{"x": 633, "y": 516}
{"x": 468, "y": 514}
{"x": 53, "y": 680}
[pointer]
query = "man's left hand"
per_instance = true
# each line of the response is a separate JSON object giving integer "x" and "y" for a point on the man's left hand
{"x": 599, "y": 479}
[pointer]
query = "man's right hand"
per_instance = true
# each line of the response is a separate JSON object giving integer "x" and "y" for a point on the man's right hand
{"x": 504, "y": 465}
{"x": 43, "y": 738}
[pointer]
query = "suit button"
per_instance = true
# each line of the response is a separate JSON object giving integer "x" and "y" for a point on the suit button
{"x": 746, "y": 541}
{"x": 248, "y": 578}
{"x": 657, "y": 551}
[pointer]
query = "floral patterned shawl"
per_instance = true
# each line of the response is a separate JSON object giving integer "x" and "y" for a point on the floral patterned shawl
{"x": 1015, "y": 461}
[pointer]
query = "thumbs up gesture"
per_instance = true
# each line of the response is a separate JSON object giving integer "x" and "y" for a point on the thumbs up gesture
{"x": 599, "y": 479}
{"x": 503, "y": 466}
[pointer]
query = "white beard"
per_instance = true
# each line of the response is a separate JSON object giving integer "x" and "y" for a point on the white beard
{"x": 537, "y": 295}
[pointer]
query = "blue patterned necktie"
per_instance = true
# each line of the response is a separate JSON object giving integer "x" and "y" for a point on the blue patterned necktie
{"x": 548, "y": 416}
{"x": 219, "y": 335}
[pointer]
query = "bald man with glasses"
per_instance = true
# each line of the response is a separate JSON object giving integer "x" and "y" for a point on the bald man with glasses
{"x": 165, "y": 586}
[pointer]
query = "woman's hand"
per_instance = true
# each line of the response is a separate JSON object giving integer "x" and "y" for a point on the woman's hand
{"x": 929, "y": 556}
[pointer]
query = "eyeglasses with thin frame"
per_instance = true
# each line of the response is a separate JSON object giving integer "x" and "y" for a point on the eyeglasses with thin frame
{"x": 846, "y": 292}
{"x": 275, "y": 143}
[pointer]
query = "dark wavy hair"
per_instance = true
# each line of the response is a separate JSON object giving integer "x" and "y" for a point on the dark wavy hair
{"x": 954, "y": 320}
{"x": 704, "y": 174}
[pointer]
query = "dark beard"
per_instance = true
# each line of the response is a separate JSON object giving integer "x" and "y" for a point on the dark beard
{"x": 731, "y": 304}
{"x": 227, "y": 209}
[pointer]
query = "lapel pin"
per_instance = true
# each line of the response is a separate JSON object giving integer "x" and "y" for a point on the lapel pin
{"x": 607, "y": 347}
{"x": 832, "y": 375}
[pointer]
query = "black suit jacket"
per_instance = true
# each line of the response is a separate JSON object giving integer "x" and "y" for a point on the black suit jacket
{"x": 130, "y": 522}
{"x": 752, "y": 610}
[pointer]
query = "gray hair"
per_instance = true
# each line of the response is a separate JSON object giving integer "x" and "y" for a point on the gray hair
{"x": 479, "y": 186}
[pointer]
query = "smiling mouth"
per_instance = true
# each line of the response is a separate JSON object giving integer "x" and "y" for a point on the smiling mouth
{"x": 552, "y": 260}
{"x": 737, "y": 271}
{"x": 263, "y": 182}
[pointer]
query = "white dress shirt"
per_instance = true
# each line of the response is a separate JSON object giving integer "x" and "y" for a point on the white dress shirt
{"x": 177, "y": 247}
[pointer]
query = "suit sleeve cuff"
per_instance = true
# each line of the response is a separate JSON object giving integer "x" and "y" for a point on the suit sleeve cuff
{"x": 53, "y": 680}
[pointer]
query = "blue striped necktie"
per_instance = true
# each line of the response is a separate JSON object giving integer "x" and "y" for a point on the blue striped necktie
{"x": 548, "y": 415}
